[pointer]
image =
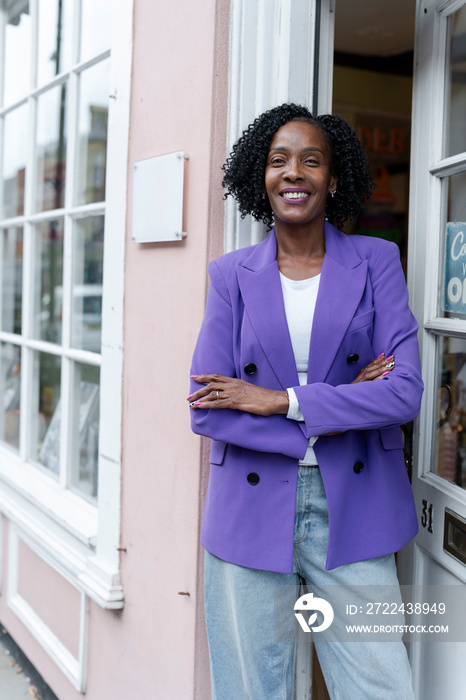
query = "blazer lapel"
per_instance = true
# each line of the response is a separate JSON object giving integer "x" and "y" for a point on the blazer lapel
{"x": 260, "y": 285}
{"x": 342, "y": 283}
{"x": 340, "y": 292}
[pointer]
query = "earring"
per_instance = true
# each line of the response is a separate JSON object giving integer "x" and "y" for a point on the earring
{"x": 332, "y": 194}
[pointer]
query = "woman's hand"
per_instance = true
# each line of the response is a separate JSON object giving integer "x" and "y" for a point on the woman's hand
{"x": 376, "y": 369}
{"x": 227, "y": 392}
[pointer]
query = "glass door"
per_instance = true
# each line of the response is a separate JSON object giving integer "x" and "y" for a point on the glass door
{"x": 437, "y": 281}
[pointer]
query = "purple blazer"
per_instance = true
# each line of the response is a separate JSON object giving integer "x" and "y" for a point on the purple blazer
{"x": 361, "y": 311}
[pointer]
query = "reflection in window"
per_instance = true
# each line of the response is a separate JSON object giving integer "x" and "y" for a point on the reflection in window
{"x": 46, "y": 417}
{"x": 10, "y": 393}
{"x": 15, "y": 138}
{"x": 54, "y": 39}
{"x": 85, "y": 427}
{"x": 51, "y": 149}
{"x": 48, "y": 281}
{"x": 12, "y": 279}
{"x": 86, "y": 325}
{"x": 450, "y": 461}
{"x": 17, "y": 51}
{"x": 96, "y": 27}
{"x": 456, "y": 197}
{"x": 92, "y": 137}
{"x": 457, "y": 97}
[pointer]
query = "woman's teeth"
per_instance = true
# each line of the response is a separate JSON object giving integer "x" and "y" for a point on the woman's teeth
{"x": 295, "y": 195}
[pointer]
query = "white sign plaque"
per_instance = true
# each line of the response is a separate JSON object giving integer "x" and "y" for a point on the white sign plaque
{"x": 158, "y": 198}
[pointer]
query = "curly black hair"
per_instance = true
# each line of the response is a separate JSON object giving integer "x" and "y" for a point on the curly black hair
{"x": 244, "y": 170}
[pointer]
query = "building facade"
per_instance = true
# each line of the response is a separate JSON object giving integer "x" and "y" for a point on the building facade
{"x": 101, "y": 481}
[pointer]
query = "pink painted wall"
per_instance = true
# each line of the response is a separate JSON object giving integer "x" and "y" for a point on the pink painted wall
{"x": 180, "y": 106}
{"x": 56, "y": 601}
{"x": 155, "y": 647}
{"x": 53, "y": 599}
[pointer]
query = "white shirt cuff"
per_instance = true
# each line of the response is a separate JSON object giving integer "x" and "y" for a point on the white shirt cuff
{"x": 294, "y": 412}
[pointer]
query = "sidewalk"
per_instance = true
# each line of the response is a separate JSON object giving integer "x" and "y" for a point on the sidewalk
{"x": 14, "y": 684}
{"x": 19, "y": 680}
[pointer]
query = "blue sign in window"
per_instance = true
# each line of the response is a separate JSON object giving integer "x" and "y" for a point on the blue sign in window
{"x": 454, "y": 287}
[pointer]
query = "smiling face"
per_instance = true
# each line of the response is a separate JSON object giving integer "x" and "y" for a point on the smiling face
{"x": 297, "y": 174}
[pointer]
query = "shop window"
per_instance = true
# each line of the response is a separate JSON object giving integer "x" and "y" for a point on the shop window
{"x": 64, "y": 172}
{"x": 55, "y": 199}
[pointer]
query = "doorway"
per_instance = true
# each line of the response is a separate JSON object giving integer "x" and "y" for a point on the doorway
{"x": 385, "y": 57}
{"x": 372, "y": 90}
{"x": 375, "y": 73}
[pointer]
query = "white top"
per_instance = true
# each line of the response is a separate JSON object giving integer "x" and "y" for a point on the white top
{"x": 300, "y": 298}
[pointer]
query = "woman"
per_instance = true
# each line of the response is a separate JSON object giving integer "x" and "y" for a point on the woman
{"x": 307, "y": 477}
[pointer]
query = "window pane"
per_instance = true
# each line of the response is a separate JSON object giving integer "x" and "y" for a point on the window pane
{"x": 456, "y": 115}
{"x": 10, "y": 393}
{"x": 51, "y": 149}
{"x": 15, "y": 139}
{"x": 46, "y": 411}
{"x": 54, "y": 39}
{"x": 17, "y": 52}
{"x": 12, "y": 279}
{"x": 450, "y": 453}
{"x": 48, "y": 281}
{"x": 96, "y": 27}
{"x": 85, "y": 427}
{"x": 86, "y": 322}
{"x": 92, "y": 137}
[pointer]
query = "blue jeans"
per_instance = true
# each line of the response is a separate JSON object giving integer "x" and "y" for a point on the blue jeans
{"x": 246, "y": 661}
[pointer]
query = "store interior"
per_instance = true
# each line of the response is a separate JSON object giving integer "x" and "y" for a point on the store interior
{"x": 372, "y": 87}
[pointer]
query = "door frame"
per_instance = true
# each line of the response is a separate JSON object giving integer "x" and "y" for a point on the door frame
{"x": 427, "y": 217}
{"x": 427, "y": 206}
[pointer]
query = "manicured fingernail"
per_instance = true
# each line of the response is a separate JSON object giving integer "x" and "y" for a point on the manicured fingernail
{"x": 381, "y": 355}
{"x": 189, "y": 397}
{"x": 385, "y": 373}
{"x": 194, "y": 376}
{"x": 197, "y": 403}
{"x": 392, "y": 357}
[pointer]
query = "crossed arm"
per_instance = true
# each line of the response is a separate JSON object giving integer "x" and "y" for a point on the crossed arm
{"x": 258, "y": 419}
{"x": 219, "y": 391}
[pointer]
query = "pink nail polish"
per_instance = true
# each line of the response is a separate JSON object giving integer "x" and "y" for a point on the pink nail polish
{"x": 392, "y": 357}
{"x": 194, "y": 376}
{"x": 381, "y": 355}
{"x": 385, "y": 373}
{"x": 189, "y": 398}
{"x": 197, "y": 403}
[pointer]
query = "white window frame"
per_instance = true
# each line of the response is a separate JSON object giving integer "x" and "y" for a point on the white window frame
{"x": 79, "y": 537}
